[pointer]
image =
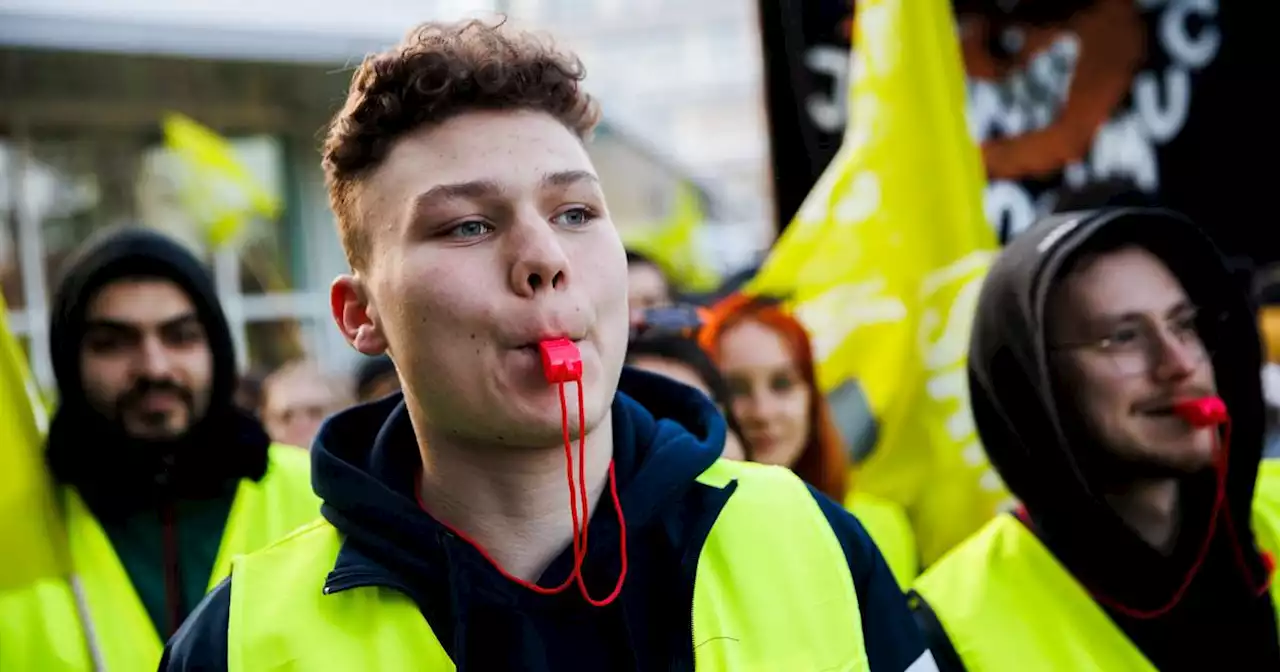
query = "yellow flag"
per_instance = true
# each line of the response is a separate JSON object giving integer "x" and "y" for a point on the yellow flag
{"x": 30, "y": 530}
{"x": 218, "y": 189}
{"x": 883, "y": 264}
{"x": 673, "y": 243}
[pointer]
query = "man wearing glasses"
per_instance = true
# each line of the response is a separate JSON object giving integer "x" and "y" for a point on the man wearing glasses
{"x": 1114, "y": 380}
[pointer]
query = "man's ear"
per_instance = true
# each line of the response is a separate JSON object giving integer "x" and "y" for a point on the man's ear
{"x": 355, "y": 316}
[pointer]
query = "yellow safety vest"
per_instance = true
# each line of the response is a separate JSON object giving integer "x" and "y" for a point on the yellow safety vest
{"x": 772, "y": 592}
{"x": 40, "y": 626}
{"x": 1006, "y": 603}
{"x": 888, "y": 525}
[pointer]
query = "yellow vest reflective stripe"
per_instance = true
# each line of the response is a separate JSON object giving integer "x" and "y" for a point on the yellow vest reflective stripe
{"x": 40, "y": 626}
{"x": 887, "y": 524}
{"x": 1006, "y": 603}
{"x": 773, "y": 592}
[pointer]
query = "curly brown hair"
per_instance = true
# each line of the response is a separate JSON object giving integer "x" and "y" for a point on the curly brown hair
{"x": 439, "y": 71}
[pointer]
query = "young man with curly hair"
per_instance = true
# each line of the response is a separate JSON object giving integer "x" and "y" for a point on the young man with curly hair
{"x": 477, "y": 231}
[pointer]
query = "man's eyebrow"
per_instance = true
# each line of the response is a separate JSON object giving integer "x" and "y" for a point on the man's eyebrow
{"x": 120, "y": 325}
{"x": 1117, "y": 316}
{"x": 1178, "y": 308}
{"x": 478, "y": 189}
{"x": 109, "y": 324}
{"x": 1181, "y": 308}
{"x": 565, "y": 178}
{"x": 180, "y": 320}
{"x": 457, "y": 190}
{"x": 488, "y": 188}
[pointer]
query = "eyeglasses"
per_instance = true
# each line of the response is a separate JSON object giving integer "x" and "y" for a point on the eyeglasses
{"x": 1137, "y": 347}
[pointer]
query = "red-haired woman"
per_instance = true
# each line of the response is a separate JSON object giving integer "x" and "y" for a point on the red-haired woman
{"x": 766, "y": 358}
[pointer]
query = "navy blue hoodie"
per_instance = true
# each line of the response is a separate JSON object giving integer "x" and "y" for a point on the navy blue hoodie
{"x": 665, "y": 435}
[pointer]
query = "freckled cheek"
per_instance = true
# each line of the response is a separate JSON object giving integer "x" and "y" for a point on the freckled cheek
{"x": 591, "y": 262}
{"x": 604, "y": 284}
{"x": 416, "y": 295}
{"x": 599, "y": 256}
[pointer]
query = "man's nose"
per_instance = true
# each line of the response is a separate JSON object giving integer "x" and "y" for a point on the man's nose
{"x": 154, "y": 358}
{"x": 1177, "y": 358}
{"x": 540, "y": 263}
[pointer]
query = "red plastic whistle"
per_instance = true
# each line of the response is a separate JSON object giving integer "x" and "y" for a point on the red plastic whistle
{"x": 1202, "y": 412}
{"x": 561, "y": 360}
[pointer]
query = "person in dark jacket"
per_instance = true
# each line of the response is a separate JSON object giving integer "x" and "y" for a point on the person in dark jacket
{"x": 161, "y": 478}
{"x": 1142, "y": 543}
{"x": 480, "y": 243}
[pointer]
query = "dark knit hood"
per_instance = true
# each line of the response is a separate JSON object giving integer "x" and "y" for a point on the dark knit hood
{"x": 86, "y": 450}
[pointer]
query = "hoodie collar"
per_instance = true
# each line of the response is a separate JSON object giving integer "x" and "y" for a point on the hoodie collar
{"x": 1015, "y": 408}
{"x": 365, "y": 462}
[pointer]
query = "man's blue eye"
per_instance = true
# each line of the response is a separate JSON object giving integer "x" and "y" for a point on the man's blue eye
{"x": 575, "y": 217}
{"x": 469, "y": 230}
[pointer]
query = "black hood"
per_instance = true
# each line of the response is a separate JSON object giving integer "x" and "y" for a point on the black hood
{"x": 92, "y": 453}
{"x": 1040, "y": 451}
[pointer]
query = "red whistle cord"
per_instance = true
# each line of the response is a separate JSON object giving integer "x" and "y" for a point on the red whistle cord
{"x": 1221, "y": 454}
{"x": 582, "y": 490}
{"x": 577, "y": 496}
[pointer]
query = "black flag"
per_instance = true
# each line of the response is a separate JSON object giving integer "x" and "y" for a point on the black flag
{"x": 1166, "y": 95}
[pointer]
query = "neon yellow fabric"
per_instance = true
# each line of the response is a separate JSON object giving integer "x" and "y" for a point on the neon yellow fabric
{"x": 794, "y": 608}
{"x": 773, "y": 592}
{"x": 213, "y": 183}
{"x": 1007, "y": 604}
{"x": 1266, "y": 504}
{"x": 889, "y": 527}
{"x": 883, "y": 264}
{"x": 674, "y": 243}
{"x": 29, "y": 525}
{"x": 39, "y": 624}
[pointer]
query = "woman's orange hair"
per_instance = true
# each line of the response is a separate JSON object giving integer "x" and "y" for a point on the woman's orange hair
{"x": 823, "y": 463}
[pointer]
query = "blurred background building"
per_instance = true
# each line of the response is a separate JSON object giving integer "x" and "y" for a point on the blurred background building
{"x": 86, "y": 84}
